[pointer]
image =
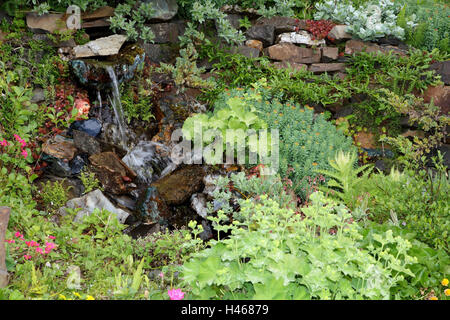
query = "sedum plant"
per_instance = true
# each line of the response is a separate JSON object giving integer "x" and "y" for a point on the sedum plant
{"x": 307, "y": 140}
{"x": 274, "y": 253}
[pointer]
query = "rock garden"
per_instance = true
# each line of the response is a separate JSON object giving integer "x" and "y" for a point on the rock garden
{"x": 224, "y": 149}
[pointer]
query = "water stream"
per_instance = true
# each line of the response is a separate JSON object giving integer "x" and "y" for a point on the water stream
{"x": 117, "y": 106}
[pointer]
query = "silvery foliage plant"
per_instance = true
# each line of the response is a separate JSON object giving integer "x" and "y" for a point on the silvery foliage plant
{"x": 375, "y": 19}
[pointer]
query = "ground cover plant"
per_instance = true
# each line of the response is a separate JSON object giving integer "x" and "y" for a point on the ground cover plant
{"x": 332, "y": 223}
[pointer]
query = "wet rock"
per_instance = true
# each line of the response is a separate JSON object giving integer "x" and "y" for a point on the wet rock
{"x": 167, "y": 32}
{"x": 91, "y": 201}
{"x": 290, "y": 52}
{"x": 254, "y": 44}
{"x": 151, "y": 208}
{"x": 163, "y": 9}
{"x": 263, "y": 33}
{"x": 326, "y": 67}
{"x": 330, "y": 54}
{"x": 180, "y": 185}
{"x": 300, "y": 37}
{"x": 443, "y": 69}
{"x": 338, "y": 33}
{"x": 59, "y": 167}
{"x": 198, "y": 203}
{"x": 76, "y": 165}
{"x": 141, "y": 230}
{"x": 112, "y": 172}
{"x": 126, "y": 202}
{"x": 92, "y": 127}
{"x": 440, "y": 96}
{"x": 59, "y": 147}
{"x": 381, "y": 165}
{"x": 106, "y": 46}
{"x": 86, "y": 143}
{"x": 93, "y": 73}
{"x": 147, "y": 162}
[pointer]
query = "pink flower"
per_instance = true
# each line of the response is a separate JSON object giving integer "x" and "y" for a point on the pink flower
{"x": 24, "y": 153}
{"x": 52, "y": 237}
{"x": 18, "y": 138}
{"x": 39, "y": 250}
{"x": 18, "y": 235}
{"x": 3, "y": 143}
{"x": 27, "y": 257}
{"x": 11, "y": 241}
{"x": 161, "y": 274}
{"x": 175, "y": 294}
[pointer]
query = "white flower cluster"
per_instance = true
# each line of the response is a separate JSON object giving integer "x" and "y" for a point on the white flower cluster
{"x": 373, "y": 20}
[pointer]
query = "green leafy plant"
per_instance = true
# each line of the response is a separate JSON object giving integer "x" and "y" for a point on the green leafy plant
{"x": 274, "y": 254}
{"x": 90, "y": 182}
{"x": 54, "y": 195}
{"x": 130, "y": 17}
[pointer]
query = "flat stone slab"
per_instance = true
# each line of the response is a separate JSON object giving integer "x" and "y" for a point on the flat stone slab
{"x": 106, "y": 46}
{"x": 300, "y": 37}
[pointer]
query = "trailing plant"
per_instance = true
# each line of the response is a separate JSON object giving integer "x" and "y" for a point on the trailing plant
{"x": 130, "y": 17}
{"x": 54, "y": 195}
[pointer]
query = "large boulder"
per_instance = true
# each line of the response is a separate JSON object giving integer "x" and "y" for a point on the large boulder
{"x": 105, "y": 46}
{"x": 443, "y": 69}
{"x": 263, "y": 33}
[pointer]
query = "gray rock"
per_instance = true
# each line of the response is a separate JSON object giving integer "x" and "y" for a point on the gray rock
{"x": 146, "y": 161}
{"x": 198, "y": 203}
{"x": 163, "y": 9}
{"x": 291, "y": 52}
{"x": 281, "y": 24}
{"x": 300, "y": 37}
{"x": 158, "y": 53}
{"x": 106, "y": 46}
{"x": 91, "y": 201}
{"x": 338, "y": 33}
{"x": 167, "y": 32}
{"x": 264, "y": 33}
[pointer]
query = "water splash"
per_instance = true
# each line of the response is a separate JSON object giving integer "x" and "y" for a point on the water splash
{"x": 117, "y": 106}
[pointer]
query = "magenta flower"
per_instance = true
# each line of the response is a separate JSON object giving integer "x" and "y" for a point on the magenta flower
{"x": 24, "y": 153}
{"x": 40, "y": 250}
{"x": 52, "y": 237}
{"x": 11, "y": 241}
{"x": 3, "y": 143}
{"x": 27, "y": 257}
{"x": 18, "y": 235}
{"x": 161, "y": 274}
{"x": 175, "y": 294}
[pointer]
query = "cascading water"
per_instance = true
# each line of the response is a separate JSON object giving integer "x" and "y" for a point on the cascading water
{"x": 99, "y": 98}
{"x": 117, "y": 106}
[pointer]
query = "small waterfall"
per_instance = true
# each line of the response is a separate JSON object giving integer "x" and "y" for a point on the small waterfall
{"x": 99, "y": 98}
{"x": 117, "y": 105}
